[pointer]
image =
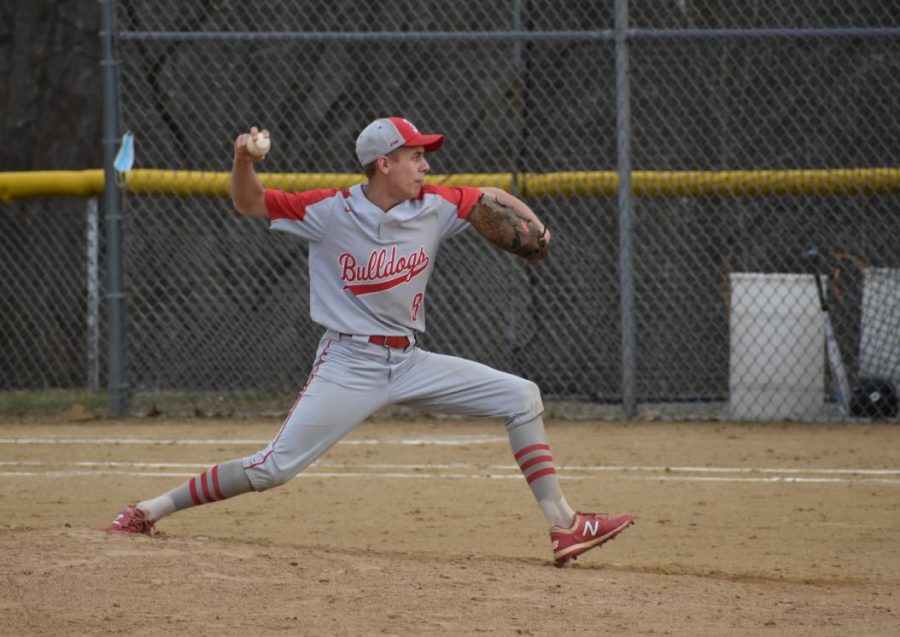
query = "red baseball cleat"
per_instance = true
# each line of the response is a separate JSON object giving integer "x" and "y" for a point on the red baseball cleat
{"x": 131, "y": 520}
{"x": 587, "y": 531}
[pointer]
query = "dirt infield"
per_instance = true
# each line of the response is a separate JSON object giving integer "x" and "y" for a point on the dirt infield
{"x": 425, "y": 528}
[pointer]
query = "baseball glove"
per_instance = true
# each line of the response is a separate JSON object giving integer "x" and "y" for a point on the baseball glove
{"x": 500, "y": 225}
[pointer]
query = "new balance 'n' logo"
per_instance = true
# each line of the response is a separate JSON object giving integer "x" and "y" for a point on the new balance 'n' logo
{"x": 591, "y": 528}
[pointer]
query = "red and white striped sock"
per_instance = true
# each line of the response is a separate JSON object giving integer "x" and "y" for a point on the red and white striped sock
{"x": 533, "y": 456}
{"x": 219, "y": 482}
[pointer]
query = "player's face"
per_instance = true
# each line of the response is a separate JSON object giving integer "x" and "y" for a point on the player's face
{"x": 407, "y": 171}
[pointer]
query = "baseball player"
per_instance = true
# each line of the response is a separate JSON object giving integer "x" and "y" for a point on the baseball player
{"x": 371, "y": 253}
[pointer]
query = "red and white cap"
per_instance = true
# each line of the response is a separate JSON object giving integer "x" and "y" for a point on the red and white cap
{"x": 389, "y": 133}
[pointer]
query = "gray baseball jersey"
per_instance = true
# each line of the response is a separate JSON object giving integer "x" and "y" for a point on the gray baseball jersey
{"x": 368, "y": 268}
{"x": 368, "y": 273}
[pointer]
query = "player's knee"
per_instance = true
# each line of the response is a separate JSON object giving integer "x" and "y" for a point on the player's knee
{"x": 528, "y": 392}
{"x": 265, "y": 473}
{"x": 524, "y": 404}
{"x": 265, "y": 480}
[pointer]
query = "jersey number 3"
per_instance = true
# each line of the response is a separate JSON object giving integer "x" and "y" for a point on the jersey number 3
{"x": 417, "y": 305}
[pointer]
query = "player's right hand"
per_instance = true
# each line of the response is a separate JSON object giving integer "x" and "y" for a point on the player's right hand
{"x": 240, "y": 145}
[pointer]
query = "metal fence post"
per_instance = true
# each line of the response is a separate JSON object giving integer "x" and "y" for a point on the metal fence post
{"x": 626, "y": 257}
{"x": 118, "y": 388}
{"x": 513, "y": 310}
{"x": 92, "y": 283}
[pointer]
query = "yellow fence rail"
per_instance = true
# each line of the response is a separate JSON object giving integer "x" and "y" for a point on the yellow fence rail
{"x": 682, "y": 183}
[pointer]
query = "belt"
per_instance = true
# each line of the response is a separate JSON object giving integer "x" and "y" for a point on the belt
{"x": 398, "y": 342}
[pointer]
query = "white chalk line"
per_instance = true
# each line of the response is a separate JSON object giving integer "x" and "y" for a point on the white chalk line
{"x": 445, "y": 440}
{"x": 436, "y": 471}
{"x": 466, "y": 465}
{"x": 437, "y": 440}
{"x": 318, "y": 463}
{"x": 428, "y": 471}
{"x": 127, "y": 441}
{"x": 876, "y": 472}
{"x": 450, "y": 476}
{"x": 787, "y": 479}
{"x": 309, "y": 473}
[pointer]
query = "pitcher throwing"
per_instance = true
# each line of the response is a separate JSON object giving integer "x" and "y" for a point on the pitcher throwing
{"x": 371, "y": 254}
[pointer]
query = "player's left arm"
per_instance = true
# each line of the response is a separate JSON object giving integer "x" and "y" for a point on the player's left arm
{"x": 508, "y": 222}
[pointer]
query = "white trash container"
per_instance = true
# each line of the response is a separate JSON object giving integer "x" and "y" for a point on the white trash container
{"x": 777, "y": 347}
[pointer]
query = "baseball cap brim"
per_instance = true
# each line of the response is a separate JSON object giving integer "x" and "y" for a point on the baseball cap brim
{"x": 430, "y": 142}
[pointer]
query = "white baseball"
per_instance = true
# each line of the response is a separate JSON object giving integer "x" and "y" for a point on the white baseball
{"x": 260, "y": 146}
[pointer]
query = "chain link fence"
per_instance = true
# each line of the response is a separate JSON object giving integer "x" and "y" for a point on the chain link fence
{"x": 51, "y": 294}
{"x": 748, "y": 146}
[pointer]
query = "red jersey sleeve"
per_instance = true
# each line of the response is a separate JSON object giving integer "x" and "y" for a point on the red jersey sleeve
{"x": 293, "y": 205}
{"x": 463, "y": 197}
{"x": 304, "y": 214}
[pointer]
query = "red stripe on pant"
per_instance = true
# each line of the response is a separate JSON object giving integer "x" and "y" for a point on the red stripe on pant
{"x": 205, "y": 478}
{"x": 526, "y": 450}
{"x": 540, "y": 474}
{"x": 215, "y": 481}
{"x": 192, "y": 485}
{"x": 203, "y": 483}
{"x": 536, "y": 460}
